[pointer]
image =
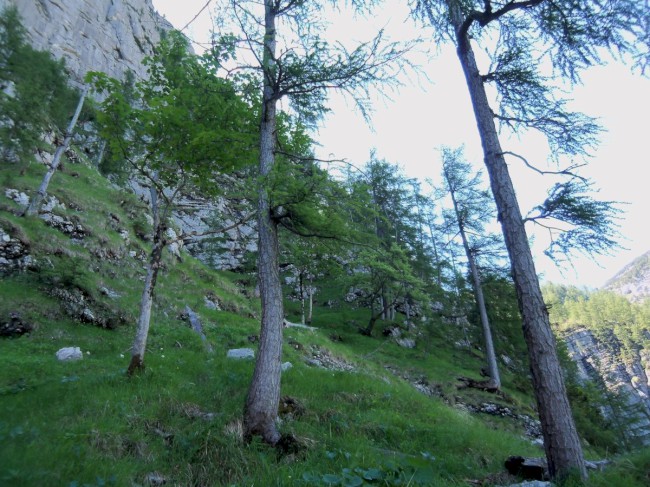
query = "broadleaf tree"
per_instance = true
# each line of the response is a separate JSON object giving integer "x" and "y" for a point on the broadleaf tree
{"x": 295, "y": 63}
{"x": 176, "y": 130}
{"x": 568, "y": 36}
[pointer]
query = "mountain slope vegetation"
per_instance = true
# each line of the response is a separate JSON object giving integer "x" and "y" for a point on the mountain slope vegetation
{"x": 401, "y": 404}
{"x": 354, "y": 402}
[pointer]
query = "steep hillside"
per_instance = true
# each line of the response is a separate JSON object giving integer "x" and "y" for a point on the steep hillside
{"x": 364, "y": 410}
{"x": 633, "y": 281}
{"x": 72, "y": 278}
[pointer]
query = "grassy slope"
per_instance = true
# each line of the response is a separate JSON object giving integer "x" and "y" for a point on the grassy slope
{"x": 85, "y": 423}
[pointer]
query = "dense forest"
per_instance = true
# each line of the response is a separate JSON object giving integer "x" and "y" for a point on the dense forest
{"x": 384, "y": 314}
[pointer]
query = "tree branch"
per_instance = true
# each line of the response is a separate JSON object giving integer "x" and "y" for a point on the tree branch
{"x": 564, "y": 172}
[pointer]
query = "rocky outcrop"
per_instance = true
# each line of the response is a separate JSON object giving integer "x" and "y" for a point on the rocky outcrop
{"x": 112, "y": 36}
{"x": 633, "y": 281}
{"x": 199, "y": 216}
{"x": 14, "y": 253}
{"x": 602, "y": 362}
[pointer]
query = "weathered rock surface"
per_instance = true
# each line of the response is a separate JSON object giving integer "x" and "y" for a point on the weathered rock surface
{"x": 241, "y": 353}
{"x": 112, "y": 36}
{"x": 14, "y": 326}
{"x": 67, "y": 226}
{"x": 82, "y": 308}
{"x": 633, "y": 281}
{"x": 196, "y": 217}
{"x": 14, "y": 254}
{"x": 69, "y": 354}
{"x": 603, "y": 363}
{"x": 323, "y": 359}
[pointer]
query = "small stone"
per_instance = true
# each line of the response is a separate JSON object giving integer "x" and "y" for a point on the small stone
{"x": 241, "y": 353}
{"x": 286, "y": 366}
{"x": 532, "y": 483}
{"x": 69, "y": 354}
{"x": 406, "y": 342}
{"x": 154, "y": 478}
{"x": 210, "y": 304}
{"x": 109, "y": 293}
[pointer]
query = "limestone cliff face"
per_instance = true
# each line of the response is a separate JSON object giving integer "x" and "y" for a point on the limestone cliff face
{"x": 114, "y": 36}
{"x": 633, "y": 281}
{"x": 93, "y": 35}
{"x": 602, "y": 362}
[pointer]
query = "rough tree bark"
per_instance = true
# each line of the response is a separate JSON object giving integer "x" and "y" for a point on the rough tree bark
{"x": 37, "y": 200}
{"x": 561, "y": 441}
{"x": 262, "y": 401}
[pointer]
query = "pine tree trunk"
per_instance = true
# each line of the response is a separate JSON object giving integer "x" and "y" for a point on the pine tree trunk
{"x": 37, "y": 200}
{"x": 561, "y": 441}
{"x": 493, "y": 369}
{"x": 262, "y": 401}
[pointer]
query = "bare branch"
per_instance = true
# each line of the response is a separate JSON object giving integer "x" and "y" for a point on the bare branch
{"x": 564, "y": 172}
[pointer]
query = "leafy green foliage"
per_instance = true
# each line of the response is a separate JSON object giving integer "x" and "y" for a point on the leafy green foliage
{"x": 182, "y": 123}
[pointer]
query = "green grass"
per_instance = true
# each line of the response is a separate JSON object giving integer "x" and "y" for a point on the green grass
{"x": 85, "y": 423}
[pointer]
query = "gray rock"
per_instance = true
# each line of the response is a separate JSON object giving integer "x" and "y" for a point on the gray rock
{"x": 112, "y": 36}
{"x": 14, "y": 254}
{"x": 154, "y": 479}
{"x": 630, "y": 378}
{"x": 69, "y": 354}
{"x": 406, "y": 342}
{"x": 109, "y": 293}
{"x": 286, "y": 366}
{"x": 532, "y": 483}
{"x": 52, "y": 203}
{"x": 19, "y": 197}
{"x": 67, "y": 226}
{"x": 210, "y": 304}
{"x": 14, "y": 326}
{"x": 241, "y": 353}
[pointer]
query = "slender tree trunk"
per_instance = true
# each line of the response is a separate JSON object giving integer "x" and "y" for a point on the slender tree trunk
{"x": 561, "y": 441}
{"x": 302, "y": 300}
{"x": 100, "y": 155}
{"x": 493, "y": 369}
{"x": 310, "y": 292}
{"x": 262, "y": 401}
{"x": 37, "y": 200}
{"x": 146, "y": 301}
{"x": 435, "y": 254}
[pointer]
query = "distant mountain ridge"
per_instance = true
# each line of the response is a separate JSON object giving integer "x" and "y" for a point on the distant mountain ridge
{"x": 633, "y": 281}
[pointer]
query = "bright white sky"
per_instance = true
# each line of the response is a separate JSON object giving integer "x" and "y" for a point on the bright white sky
{"x": 409, "y": 127}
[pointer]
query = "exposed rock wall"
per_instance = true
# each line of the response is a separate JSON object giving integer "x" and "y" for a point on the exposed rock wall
{"x": 602, "y": 362}
{"x": 196, "y": 214}
{"x": 114, "y": 36}
{"x": 93, "y": 35}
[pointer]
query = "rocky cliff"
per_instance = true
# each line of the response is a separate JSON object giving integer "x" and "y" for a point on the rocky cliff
{"x": 601, "y": 361}
{"x": 633, "y": 281}
{"x": 112, "y": 36}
